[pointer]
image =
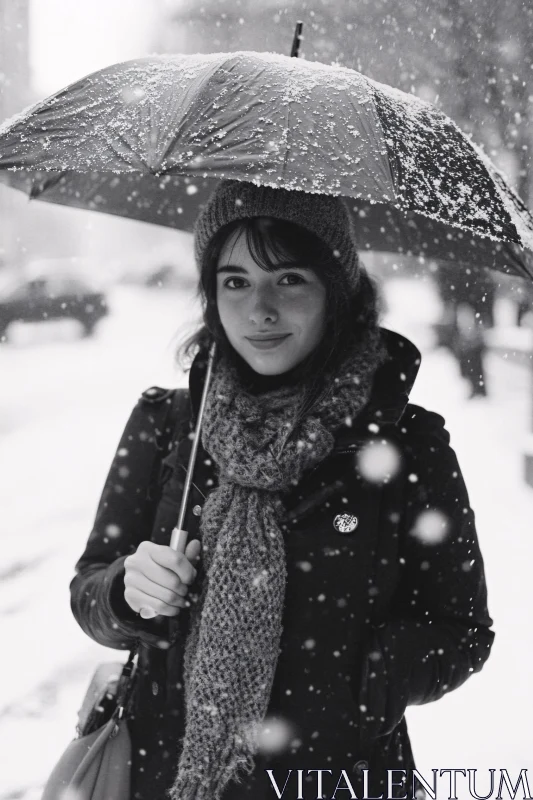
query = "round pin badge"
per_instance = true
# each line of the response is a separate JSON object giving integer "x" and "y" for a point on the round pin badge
{"x": 345, "y": 523}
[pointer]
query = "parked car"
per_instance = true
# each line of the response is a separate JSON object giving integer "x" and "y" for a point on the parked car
{"x": 161, "y": 277}
{"x": 51, "y": 297}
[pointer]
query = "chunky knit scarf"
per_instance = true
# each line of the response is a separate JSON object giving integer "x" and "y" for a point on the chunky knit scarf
{"x": 234, "y": 641}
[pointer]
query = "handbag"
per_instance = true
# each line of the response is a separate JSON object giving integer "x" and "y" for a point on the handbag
{"x": 96, "y": 764}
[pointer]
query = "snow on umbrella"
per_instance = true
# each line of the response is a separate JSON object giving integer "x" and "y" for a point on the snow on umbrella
{"x": 148, "y": 139}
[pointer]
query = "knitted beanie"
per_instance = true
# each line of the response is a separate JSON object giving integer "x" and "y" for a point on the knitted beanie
{"x": 324, "y": 215}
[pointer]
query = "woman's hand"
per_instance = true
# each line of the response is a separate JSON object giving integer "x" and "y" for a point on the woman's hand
{"x": 157, "y": 578}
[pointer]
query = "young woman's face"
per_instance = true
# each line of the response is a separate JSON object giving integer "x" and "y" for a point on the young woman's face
{"x": 255, "y": 306}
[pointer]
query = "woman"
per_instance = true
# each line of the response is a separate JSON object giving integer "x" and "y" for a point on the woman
{"x": 319, "y": 595}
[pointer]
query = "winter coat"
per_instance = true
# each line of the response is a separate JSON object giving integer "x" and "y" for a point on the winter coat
{"x": 377, "y": 617}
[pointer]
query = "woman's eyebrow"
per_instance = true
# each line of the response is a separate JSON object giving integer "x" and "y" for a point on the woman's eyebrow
{"x": 243, "y": 271}
{"x": 230, "y": 268}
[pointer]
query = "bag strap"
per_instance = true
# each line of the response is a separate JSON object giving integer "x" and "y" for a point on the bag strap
{"x": 126, "y": 682}
{"x": 170, "y": 409}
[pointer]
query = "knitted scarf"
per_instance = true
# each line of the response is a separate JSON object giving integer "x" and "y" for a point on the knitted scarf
{"x": 233, "y": 645}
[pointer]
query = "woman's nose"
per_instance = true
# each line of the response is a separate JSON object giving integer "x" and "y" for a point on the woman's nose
{"x": 262, "y": 308}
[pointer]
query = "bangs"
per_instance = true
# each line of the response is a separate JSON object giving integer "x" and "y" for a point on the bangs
{"x": 272, "y": 242}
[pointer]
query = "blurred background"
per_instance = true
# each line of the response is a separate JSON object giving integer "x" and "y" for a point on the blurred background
{"x": 92, "y": 308}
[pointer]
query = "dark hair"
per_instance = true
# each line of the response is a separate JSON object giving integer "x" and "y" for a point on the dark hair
{"x": 349, "y": 315}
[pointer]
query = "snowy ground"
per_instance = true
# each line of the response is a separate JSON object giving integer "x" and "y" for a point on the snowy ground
{"x": 63, "y": 404}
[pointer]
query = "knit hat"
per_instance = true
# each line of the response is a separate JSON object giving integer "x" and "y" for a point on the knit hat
{"x": 324, "y": 215}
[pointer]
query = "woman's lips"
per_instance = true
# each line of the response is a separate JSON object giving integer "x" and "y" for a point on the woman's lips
{"x": 268, "y": 344}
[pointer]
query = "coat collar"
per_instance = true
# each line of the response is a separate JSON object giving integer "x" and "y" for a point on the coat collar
{"x": 390, "y": 392}
{"x": 392, "y": 386}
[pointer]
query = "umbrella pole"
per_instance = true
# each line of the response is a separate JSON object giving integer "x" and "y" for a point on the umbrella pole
{"x": 178, "y": 539}
{"x": 297, "y": 40}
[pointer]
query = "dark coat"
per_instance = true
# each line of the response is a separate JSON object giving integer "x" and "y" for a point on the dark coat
{"x": 375, "y": 619}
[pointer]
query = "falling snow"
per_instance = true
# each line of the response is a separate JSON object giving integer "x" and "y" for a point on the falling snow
{"x": 431, "y": 527}
{"x": 379, "y": 461}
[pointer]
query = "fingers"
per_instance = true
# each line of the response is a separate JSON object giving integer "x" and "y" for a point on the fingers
{"x": 160, "y": 576}
{"x": 157, "y": 578}
{"x": 170, "y": 559}
{"x": 154, "y": 591}
{"x": 138, "y": 600}
{"x": 193, "y": 551}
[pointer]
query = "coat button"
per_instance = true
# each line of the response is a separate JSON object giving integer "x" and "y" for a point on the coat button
{"x": 360, "y": 766}
{"x": 197, "y": 510}
{"x": 345, "y": 523}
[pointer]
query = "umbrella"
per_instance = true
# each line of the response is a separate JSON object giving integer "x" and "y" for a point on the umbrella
{"x": 148, "y": 139}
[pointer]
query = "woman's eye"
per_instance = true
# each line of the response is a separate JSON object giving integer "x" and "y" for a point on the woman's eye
{"x": 297, "y": 279}
{"x": 227, "y": 283}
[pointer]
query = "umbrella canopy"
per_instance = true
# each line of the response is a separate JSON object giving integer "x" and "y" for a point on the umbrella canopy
{"x": 148, "y": 139}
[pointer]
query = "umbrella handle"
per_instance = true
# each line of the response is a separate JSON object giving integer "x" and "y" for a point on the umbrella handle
{"x": 178, "y": 542}
{"x": 178, "y": 538}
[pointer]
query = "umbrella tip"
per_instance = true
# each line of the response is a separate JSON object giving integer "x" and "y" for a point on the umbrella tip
{"x": 297, "y": 39}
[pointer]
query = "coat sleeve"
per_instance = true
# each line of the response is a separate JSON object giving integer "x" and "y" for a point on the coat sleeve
{"x": 124, "y": 518}
{"x": 438, "y": 633}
